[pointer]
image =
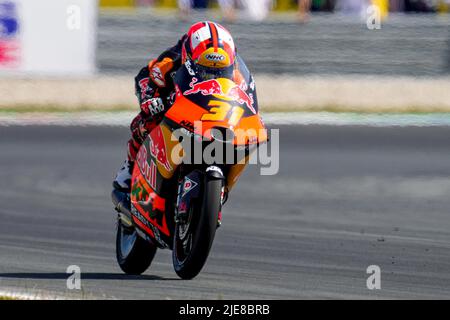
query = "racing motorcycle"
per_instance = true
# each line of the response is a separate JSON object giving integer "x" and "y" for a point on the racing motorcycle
{"x": 176, "y": 202}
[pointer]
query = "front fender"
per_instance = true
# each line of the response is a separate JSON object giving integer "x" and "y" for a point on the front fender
{"x": 214, "y": 172}
{"x": 191, "y": 187}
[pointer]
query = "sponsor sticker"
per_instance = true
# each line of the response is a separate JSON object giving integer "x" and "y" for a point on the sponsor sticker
{"x": 188, "y": 185}
{"x": 158, "y": 148}
{"x": 215, "y": 57}
{"x": 9, "y": 35}
{"x": 213, "y": 87}
{"x": 157, "y": 77}
{"x": 189, "y": 68}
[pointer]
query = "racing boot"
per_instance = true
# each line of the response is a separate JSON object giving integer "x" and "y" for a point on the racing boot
{"x": 122, "y": 182}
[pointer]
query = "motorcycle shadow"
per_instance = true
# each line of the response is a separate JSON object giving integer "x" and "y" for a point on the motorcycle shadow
{"x": 84, "y": 275}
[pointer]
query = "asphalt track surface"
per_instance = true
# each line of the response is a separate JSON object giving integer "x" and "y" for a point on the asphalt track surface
{"x": 344, "y": 198}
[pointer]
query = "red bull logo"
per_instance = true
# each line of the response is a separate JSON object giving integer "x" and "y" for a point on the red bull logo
{"x": 147, "y": 170}
{"x": 207, "y": 87}
{"x": 158, "y": 148}
{"x": 213, "y": 87}
{"x": 242, "y": 97}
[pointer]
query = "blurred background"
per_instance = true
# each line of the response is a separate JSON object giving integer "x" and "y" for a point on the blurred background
{"x": 321, "y": 54}
{"x": 288, "y": 36}
{"x": 360, "y": 91}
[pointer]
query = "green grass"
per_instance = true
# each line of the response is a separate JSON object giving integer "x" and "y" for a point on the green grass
{"x": 7, "y": 298}
{"x": 21, "y": 109}
{"x": 59, "y": 109}
{"x": 366, "y": 110}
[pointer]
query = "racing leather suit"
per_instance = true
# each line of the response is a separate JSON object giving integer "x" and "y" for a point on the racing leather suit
{"x": 155, "y": 81}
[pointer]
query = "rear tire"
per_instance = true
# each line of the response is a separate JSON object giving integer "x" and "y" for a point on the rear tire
{"x": 134, "y": 254}
{"x": 188, "y": 260}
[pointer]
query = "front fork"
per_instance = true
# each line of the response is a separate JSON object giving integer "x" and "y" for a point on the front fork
{"x": 190, "y": 188}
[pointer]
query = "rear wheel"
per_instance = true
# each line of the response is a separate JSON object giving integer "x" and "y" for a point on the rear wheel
{"x": 194, "y": 237}
{"x": 134, "y": 254}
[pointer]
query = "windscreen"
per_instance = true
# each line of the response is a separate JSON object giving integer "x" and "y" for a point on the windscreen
{"x": 192, "y": 83}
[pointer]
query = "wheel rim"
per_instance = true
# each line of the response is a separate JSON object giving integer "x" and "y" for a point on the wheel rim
{"x": 184, "y": 239}
{"x": 127, "y": 240}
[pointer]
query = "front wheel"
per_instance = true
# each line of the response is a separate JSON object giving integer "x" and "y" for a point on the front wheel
{"x": 193, "y": 238}
{"x": 134, "y": 254}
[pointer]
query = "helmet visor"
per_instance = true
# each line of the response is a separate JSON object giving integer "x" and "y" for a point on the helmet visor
{"x": 208, "y": 73}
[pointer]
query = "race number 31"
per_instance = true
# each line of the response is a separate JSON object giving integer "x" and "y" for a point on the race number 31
{"x": 220, "y": 110}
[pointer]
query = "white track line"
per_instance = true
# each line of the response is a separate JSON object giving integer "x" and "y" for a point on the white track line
{"x": 123, "y": 119}
{"x": 17, "y": 295}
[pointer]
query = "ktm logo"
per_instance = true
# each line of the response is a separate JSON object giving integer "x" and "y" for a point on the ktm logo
{"x": 215, "y": 57}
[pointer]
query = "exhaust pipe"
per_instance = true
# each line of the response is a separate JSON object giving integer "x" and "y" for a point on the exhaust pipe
{"x": 121, "y": 203}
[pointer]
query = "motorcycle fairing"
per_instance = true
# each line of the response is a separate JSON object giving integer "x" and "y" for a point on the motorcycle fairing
{"x": 206, "y": 104}
{"x": 154, "y": 190}
{"x": 148, "y": 201}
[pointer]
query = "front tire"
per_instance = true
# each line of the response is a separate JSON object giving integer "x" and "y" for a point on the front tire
{"x": 193, "y": 239}
{"x": 134, "y": 254}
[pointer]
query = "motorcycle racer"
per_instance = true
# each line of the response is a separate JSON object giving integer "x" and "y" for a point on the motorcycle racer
{"x": 206, "y": 45}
